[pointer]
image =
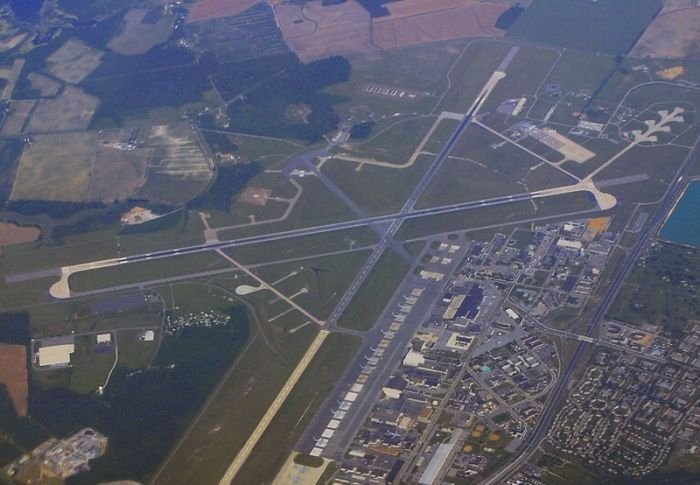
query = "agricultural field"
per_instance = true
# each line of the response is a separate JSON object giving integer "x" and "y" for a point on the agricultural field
{"x": 584, "y": 25}
{"x": 672, "y": 34}
{"x": 80, "y": 167}
{"x": 71, "y": 110}
{"x": 212, "y": 9}
{"x": 56, "y": 167}
{"x": 415, "y": 22}
{"x": 314, "y": 31}
{"x": 141, "y": 30}
{"x": 11, "y": 233}
{"x": 18, "y": 116}
{"x": 45, "y": 85}
{"x": 73, "y": 61}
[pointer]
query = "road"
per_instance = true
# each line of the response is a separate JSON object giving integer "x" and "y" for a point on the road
{"x": 666, "y": 204}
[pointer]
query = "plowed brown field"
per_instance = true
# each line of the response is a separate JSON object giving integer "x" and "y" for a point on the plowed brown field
{"x": 13, "y": 374}
{"x": 415, "y": 22}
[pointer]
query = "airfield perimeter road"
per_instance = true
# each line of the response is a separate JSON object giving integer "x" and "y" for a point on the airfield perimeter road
{"x": 531, "y": 443}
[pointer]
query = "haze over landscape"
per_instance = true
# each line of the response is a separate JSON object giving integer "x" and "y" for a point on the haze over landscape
{"x": 350, "y": 242}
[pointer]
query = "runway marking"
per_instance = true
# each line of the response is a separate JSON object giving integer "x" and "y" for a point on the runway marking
{"x": 259, "y": 430}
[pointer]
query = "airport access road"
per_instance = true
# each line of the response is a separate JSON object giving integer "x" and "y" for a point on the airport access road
{"x": 532, "y": 441}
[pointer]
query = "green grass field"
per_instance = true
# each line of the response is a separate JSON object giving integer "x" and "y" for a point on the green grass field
{"x": 585, "y": 25}
{"x": 661, "y": 290}
{"x": 234, "y": 410}
{"x": 500, "y": 214}
{"x": 324, "y": 279}
{"x": 377, "y": 190}
{"x": 315, "y": 384}
{"x": 146, "y": 271}
{"x": 578, "y": 70}
{"x": 471, "y": 72}
{"x": 524, "y": 75}
{"x": 90, "y": 368}
{"x": 395, "y": 143}
{"x": 373, "y": 295}
{"x": 303, "y": 247}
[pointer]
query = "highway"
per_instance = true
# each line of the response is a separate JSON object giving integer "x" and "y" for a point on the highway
{"x": 548, "y": 412}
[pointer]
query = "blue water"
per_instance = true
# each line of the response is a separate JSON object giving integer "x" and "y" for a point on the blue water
{"x": 683, "y": 226}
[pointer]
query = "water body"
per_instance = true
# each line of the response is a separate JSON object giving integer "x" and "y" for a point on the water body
{"x": 683, "y": 227}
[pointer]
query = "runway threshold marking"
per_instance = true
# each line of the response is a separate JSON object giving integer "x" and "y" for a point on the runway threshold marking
{"x": 259, "y": 430}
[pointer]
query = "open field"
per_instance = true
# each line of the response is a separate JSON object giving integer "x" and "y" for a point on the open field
{"x": 45, "y": 85}
{"x": 471, "y": 72}
{"x": 304, "y": 246}
{"x": 80, "y": 167}
{"x": 56, "y": 167}
{"x": 526, "y": 72}
{"x": 13, "y": 375}
{"x": 377, "y": 190}
{"x": 462, "y": 179}
{"x": 146, "y": 271}
{"x": 138, "y": 35}
{"x": 134, "y": 352}
{"x": 71, "y": 110}
{"x": 248, "y": 34}
{"x": 577, "y": 70}
{"x": 89, "y": 368}
{"x": 233, "y": 410}
{"x": 73, "y": 61}
{"x": 318, "y": 284}
{"x": 585, "y": 25}
{"x": 212, "y": 9}
{"x": 658, "y": 291}
{"x": 415, "y": 22}
{"x": 375, "y": 292}
{"x": 315, "y": 384}
{"x": 117, "y": 174}
{"x": 11, "y": 233}
{"x": 178, "y": 169}
{"x": 420, "y": 68}
{"x": 672, "y": 35}
{"x": 313, "y": 31}
{"x": 17, "y": 116}
{"x": 10, "y": 75}
{"x": 317, "y": 205}
{"x": 394, "y": 145}
{"x": 550, "y": 206}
